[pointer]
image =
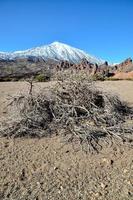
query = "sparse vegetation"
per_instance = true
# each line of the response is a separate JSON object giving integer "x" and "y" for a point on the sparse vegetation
{"x": 117, "y": 79}
{"x": 42, "y": 78}
{"x": 75, "y": 109}
{"x": 98, "y": 77}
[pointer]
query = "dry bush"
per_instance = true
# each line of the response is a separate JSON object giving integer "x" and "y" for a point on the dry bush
{"x": 75, "y": 109}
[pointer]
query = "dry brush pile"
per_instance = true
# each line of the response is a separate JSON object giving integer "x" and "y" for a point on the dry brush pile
{"x": 74, "y": 109}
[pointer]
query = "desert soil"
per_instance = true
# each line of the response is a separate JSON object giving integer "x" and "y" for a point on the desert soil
{"x": 51, "y": 169}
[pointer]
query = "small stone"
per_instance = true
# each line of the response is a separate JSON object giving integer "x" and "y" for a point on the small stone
{"x": 102, "y": 185}
{"x": 125, "y": 171}
{"x": 129, "y": 193}
{"x": 111, "y": 162}
{"x": 97, "y": 194}
{"x": 55, "y": 168}
{"x": 104, "y": 160}
{"x": 129, "y": 182}
{"x": 108, "y": 162}
{"x": 61, "y": 187}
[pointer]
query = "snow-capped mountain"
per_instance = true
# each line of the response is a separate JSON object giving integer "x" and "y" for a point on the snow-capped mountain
{"x": 4, "y": 55}
{"x": 56, "y": 51}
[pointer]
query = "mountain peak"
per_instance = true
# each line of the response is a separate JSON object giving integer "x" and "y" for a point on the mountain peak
{"x": 60, "y": 44}
{"x": 56, "y": 43}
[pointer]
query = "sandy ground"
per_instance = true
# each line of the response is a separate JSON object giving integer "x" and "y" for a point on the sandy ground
{"x": 50, "y": 169}
{"x": 124, "y": 89}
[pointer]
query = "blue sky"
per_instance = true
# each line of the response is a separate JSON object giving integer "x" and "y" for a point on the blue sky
{"x": 103, "y": 28}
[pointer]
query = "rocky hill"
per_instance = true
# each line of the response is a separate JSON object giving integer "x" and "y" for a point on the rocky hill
{"x": 124, "y": 70}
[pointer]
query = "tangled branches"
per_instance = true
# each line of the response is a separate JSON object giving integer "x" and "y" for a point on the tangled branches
{"x": 75, "y": 109}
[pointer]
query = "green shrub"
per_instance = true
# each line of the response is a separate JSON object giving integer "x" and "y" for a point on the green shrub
{"x": 118, "y": 79}
{"x": 98, "y": 77}
{"x": 42, "y": 77}
{"x": 112, "y": 79}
